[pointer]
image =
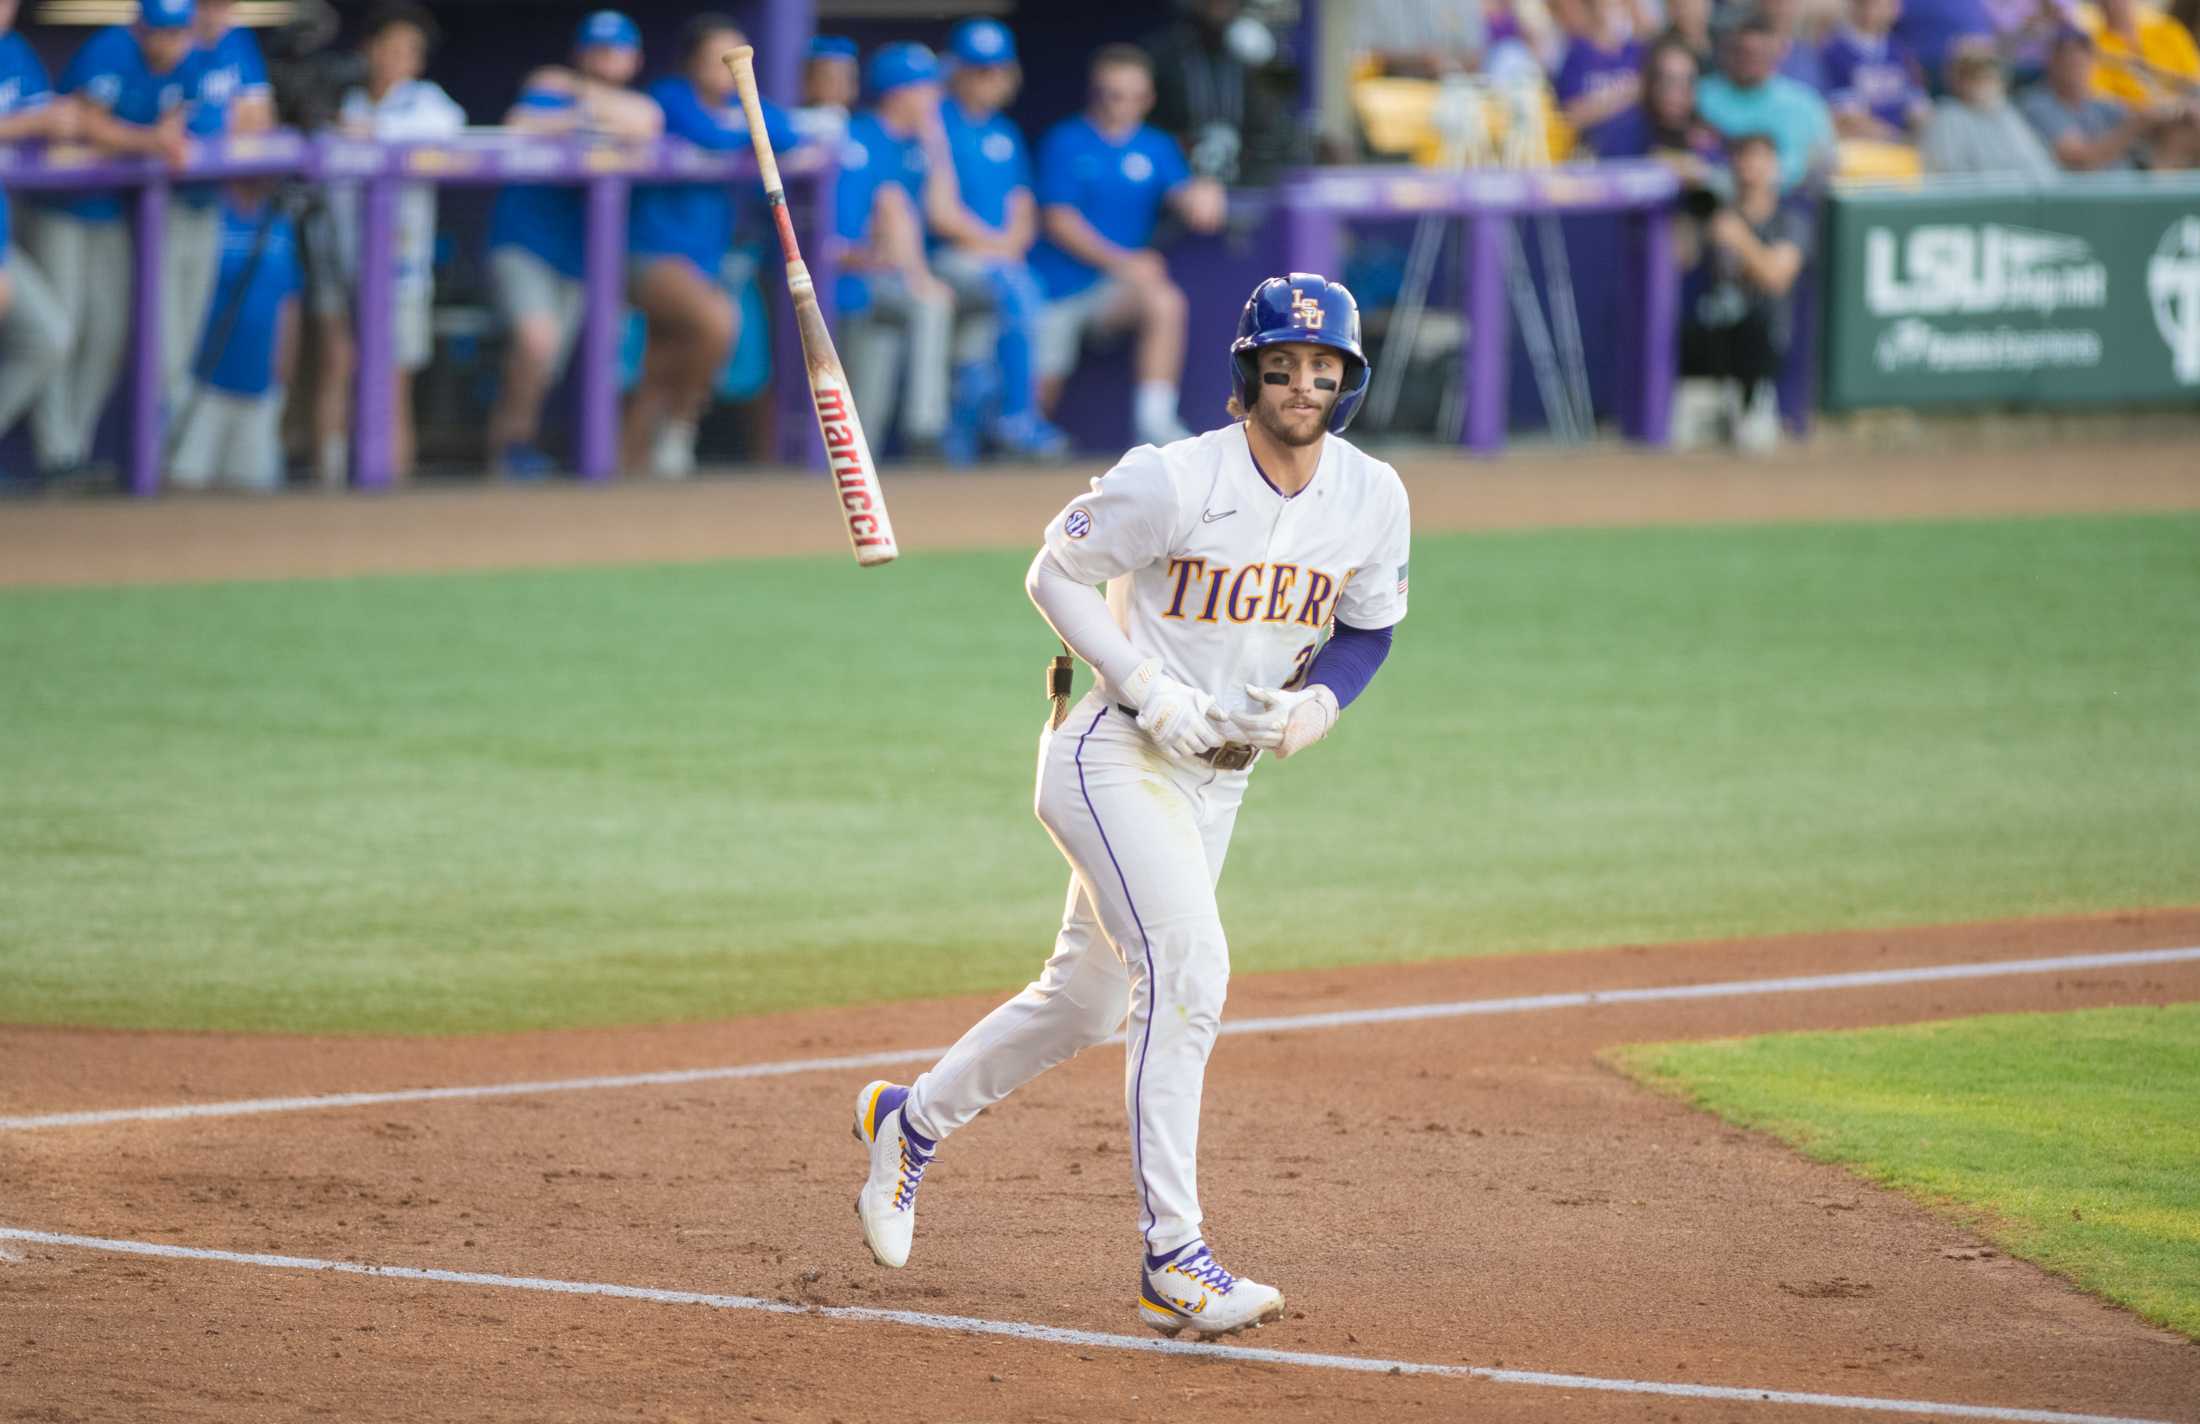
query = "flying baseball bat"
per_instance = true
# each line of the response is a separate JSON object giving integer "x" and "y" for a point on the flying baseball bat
{"x": 855, "y": 477}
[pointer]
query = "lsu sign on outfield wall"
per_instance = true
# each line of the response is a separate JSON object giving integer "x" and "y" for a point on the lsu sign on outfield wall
{"x": 2084, "y": 294}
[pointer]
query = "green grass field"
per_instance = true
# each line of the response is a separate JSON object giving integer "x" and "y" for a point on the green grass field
{"x": 2067, "y": 1138}
{"x": 684, "y": 792}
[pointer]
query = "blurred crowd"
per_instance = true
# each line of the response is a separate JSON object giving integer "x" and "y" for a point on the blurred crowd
{"x": 978, "y": 266}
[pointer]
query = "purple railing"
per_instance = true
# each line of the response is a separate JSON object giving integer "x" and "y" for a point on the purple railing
{"x": 606, "y": 171}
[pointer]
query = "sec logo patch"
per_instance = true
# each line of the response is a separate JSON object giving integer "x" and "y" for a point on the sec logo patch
{"x": 1078, "y": 525}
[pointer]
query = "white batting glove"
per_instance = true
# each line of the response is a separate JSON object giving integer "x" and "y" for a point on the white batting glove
{"x": 1181, "y": 720}
{"x": 1287, "y": 723}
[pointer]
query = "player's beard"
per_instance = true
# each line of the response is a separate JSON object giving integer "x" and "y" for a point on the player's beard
{"x": 1293, "y": 428}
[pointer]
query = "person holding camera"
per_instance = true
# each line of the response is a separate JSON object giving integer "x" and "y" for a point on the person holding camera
{"x": 1742, "y": 252}
{"x": 230, "y": 428}
{"x": 132, "y": 88}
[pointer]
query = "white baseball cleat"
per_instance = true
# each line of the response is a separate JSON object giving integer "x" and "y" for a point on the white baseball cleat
{"x": 887, "y": 1205}
{"x": 1189, "y": 1290}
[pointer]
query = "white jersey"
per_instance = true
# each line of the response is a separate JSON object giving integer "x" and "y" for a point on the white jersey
{"x": 1214, "y": 571}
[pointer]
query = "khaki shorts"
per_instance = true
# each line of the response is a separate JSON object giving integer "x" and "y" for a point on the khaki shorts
{"x": 1065, "y": 326}
{"x": 526, "y": 287}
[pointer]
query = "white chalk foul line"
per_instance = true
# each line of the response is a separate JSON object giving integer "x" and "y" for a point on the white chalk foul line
{"x": 1090, "y": 1339}
{"x": 1291, "y": 1023}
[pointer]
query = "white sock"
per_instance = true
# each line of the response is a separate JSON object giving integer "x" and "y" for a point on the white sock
{"x": 333, "y": 463}
{"x": 1153, "y": 412}
{"x": 672, "y": 454}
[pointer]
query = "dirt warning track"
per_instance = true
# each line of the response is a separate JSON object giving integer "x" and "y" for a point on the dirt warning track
{"x": 1471, "y": 1191}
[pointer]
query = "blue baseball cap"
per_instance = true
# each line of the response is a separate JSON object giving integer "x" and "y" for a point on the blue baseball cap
{"x": 607, "y": 29}
{"x": 897, "y": 66}
{"x": 981, "y": 41}
{"x": 833, "y": 47}
{"x": 166, "y": 14}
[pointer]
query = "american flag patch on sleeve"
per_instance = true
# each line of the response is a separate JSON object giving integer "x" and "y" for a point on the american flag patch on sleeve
{"x": 1402, "y": 579}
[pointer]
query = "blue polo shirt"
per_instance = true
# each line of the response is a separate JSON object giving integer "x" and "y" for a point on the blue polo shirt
{"x": 245, "y": 366}
{"x": 230, "y": 69}
{"x": 23, "y": 86}
{"x": 1117, "y": 187}
{"x": 110, "y": 71}
{"x": 548, "y": 220}
{"x": 870, "y": 158}
{"x": 990, "y": 163}
{"x": 695, "y": 220}
{"x": 23, "y": 83}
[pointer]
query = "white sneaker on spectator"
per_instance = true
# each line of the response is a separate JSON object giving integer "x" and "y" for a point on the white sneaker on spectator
{"x": 1757, "y": 425}
{"x": 672, "y": 456}
{"x": 1699, "y": 413}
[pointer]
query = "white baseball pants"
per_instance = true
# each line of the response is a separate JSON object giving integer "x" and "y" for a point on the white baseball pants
{"x": 87, "y": 266}
{"x": 1145, "y": 836}
{"x": 190, "y": 261}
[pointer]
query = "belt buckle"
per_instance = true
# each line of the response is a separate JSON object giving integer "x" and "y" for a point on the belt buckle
{"x": 1234, "y": 756}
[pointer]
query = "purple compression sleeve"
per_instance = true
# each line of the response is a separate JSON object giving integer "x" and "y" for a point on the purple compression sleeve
{"x": 1347, "y": 662}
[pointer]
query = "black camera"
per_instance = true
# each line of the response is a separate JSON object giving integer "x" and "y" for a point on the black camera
{"x": 307, "y": 74}
{"x": 1702, "y": 197}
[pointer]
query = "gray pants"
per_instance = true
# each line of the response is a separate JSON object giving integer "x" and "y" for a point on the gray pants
{"x": 230, "y": 439}
{"x": 34, "y": 339}
{"x": 87, "y": 265}
{"x": 190, "y": 260}
{"x": 877, "y": 338}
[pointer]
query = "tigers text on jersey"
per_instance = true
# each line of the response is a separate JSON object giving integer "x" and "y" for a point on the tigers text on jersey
{"x": 1214, "y": 571}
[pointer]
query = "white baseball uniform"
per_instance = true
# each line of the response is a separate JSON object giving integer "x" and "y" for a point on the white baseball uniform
{"x": 1214, "y": 571}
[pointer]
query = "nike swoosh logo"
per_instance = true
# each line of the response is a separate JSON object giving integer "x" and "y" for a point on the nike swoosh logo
{"x": 1210, "y": 516}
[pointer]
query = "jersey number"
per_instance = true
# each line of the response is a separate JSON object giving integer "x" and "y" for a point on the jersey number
{"x": 1299, "y": 667}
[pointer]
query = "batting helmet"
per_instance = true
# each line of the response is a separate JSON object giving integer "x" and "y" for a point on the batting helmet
{"x": 1304, "y": 306}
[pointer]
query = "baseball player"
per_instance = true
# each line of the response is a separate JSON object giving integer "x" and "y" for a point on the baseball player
{"x": 1226, "y": 556}
{"x": 134, "y": 88}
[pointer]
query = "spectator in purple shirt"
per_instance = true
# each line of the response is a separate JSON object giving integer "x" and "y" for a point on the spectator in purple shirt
{"x": 1665, "y": 125}
{"x": 1873, "y": 84}
{"x": 1799, "y": 54}
{"x": 1601, "y": 75}
{"x": 1930, "y": 29}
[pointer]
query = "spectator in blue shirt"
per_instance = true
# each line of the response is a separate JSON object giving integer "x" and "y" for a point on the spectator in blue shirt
{"x": 1874, "y": 85}
{"x": 1747, "y": 96}
{"x": 132, "y": 87}
{"x": 34, "y": 326}
{"x": 233, "y": 96}
{"x": 236, "y": 71}
{"x": 232, "y": 422}
{"x": 831, "y": 84}
{"x": 678, "y": 238}
{"x": 901, "y": 313}
{"x": 536, "y": 231}
{"x": 984, "y": 226}
{"x": 1104, "y": 178}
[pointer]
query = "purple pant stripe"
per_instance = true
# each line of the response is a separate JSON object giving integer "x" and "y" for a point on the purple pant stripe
{"x": 1153, "y": 988}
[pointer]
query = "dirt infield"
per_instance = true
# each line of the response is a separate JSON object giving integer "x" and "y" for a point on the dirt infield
{"x": 1464, "y": 1191}
{"x": 1461, "y": 1191}
{"x": 464, "y": 527}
